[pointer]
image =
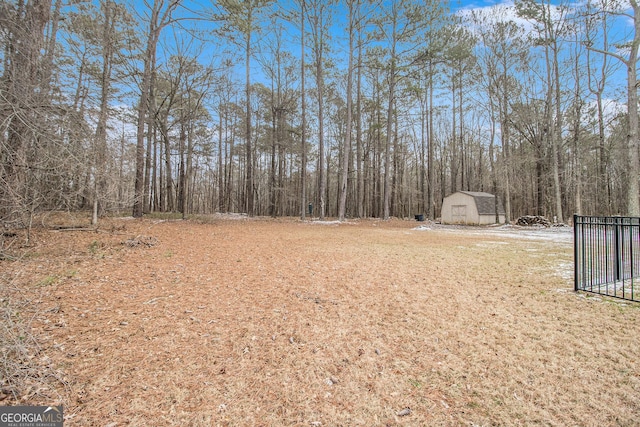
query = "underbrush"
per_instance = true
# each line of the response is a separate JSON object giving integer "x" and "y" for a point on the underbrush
{"x": 26, "y": 373}
{"x": 17, "y": 347}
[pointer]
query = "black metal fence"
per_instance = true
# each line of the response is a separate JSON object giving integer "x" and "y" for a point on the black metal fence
{"x": 607, "y": 255}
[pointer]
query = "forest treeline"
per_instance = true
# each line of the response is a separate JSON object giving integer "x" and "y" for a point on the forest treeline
{"x": 349, "y": 108}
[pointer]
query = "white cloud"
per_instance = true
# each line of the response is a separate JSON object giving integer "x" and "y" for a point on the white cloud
{"x": 483, "y": 16}
{"x": 612, "y": 108}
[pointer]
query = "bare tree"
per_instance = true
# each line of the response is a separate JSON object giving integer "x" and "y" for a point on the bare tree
{"x": 242, "y": 18}
{"x": 627, "y": 54}
{"x": 114, "y": 34}
{"x": 549, "y": 24}
{"x": 303, "y": 113}
{"x": 317, "y": 15}
{"x": 346, "y": 146}
{"x": 22, "y": 101}
{"x": 502, "y": 55}
{"x": 160, "y": 16}
{"x": 596, "y": 30}
{"x": 401, "y": 29}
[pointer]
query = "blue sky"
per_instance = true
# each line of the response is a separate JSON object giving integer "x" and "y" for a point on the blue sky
{"x": 213, "y": 53}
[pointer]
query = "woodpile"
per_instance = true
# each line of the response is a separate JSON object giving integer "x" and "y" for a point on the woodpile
{"x": 533, "y": 220}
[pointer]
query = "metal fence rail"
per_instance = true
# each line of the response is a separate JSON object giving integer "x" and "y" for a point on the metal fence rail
{"x": 607, "y": 255}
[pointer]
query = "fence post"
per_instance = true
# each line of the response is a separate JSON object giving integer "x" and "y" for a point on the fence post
{"x": 618, "y": 255}
{"x": 575, "y": 253}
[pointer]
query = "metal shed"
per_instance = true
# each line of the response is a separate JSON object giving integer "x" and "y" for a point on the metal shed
{"x": 470, "y": 207}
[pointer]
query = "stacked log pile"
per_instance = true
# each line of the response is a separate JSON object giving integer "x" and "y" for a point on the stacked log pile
{"x": 533, "y": 220}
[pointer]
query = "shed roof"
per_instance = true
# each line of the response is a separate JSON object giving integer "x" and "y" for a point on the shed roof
{"x": 486, "y": 203}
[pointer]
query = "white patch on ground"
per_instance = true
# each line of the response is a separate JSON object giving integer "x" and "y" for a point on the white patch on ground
{"x": 490, "y": 244}
{"x": 230, "y": 215}
{"x": 565, "y": 270}
{"x": 333, "y": 222}
{"x": 551, "y": 234}
{"x": 422, "y": 227}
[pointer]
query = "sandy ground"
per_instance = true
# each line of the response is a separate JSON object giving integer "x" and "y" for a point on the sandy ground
{"x": 256, "y": 322}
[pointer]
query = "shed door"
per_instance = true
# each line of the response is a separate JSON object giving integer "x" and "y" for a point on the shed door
{"x": 459, "y": 213}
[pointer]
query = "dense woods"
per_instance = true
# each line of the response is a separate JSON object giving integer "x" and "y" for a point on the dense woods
{"x": 343, "y": 109}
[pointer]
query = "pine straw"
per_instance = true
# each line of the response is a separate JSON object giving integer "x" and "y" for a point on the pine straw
{"x": 284, "y": 323}
{"x": 26, "y": 373}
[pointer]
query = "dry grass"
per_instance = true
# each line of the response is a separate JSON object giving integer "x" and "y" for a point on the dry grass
{"x": 276, "y": 323}
{"x": 26, "y": 373}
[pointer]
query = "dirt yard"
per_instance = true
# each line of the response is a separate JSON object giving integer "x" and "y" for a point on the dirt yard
{"x": 260, "y": 322}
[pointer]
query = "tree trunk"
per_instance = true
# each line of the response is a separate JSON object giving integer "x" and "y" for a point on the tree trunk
{"x": 557, "y": 139}
{"x": 156, "y": 24}
{"x": 143, "y": 110}
{"x": 303, "y": 131}
{"x": 359, "y": 155}
{"x": 454, "y": 139}
{"x": 220, "y": 162}
{"x": 318, "y": 31}
{"x": 633, "y": 189}
{"x": 431, "y": 150}
{"x": 248, "y": 143}
{"x": 390, "y": 111}
{"x": 103, "y": 115}
{"x": 346, "y": 146}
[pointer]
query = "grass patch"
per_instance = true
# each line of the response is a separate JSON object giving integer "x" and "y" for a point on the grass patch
{"x": 163, "y": 215}
{"x": 47, "y": 281}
